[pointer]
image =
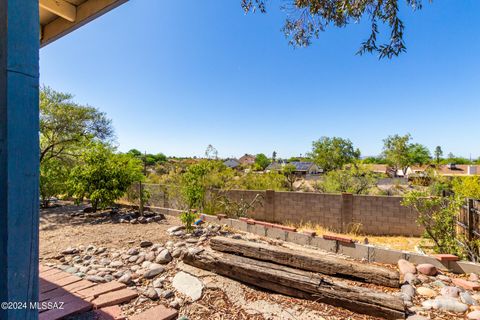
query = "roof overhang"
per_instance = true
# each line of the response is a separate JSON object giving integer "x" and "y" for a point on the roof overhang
{"x": 60, "y": 17}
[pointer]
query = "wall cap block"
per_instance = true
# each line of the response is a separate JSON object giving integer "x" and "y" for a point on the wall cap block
{"x": 338, "y": 238}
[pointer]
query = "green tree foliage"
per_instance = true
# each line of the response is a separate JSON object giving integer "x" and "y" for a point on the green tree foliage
{"x": 149, "y": 159}
{"x": 374, "y": 160}
{"x": 467, "y": 187}
{"x": 419, "y": 154}
{"x": 396, "y": 151}
{"x": 333, "y": 153}
{"x": 262, "y": 161}
{"x": 451, "y": 158}
{"x": 103, "y": 176}
{"x": 201, "y": 177}
{"x": 306, "y": 19}
{"x": 356, "y": 179}
{"x": 265, "y": 181}
{"x": 438, "y": 154}
{"x": 53, "y": 174}
{"x": 401, "y": 153}
{"x": 437, "y": 215}
{"x": 65, "y": 127}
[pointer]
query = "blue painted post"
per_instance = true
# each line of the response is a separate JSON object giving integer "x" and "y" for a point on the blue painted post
{"x": 19, "y": 156}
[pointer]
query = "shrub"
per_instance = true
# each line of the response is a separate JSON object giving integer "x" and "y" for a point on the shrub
{"x": 437, "y": 215}
{"x": 188, "y": 218}
{"x": 103, "y": 176}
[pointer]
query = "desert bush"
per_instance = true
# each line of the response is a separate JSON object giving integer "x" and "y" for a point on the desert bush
{"x": 188, "y": 218}
{"x": 437, "y": 215}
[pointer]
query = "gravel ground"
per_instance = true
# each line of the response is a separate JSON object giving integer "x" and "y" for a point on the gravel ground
{"x": 223, "y": 298}
{"x": 68, "y": 226}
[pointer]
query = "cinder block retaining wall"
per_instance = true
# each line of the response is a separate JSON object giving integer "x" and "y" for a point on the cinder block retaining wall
{"x": 364, "y": 252}
{"x": 374, "y": 215}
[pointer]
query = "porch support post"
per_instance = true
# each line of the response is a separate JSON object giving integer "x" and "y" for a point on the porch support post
{"x": 19, "y": 155}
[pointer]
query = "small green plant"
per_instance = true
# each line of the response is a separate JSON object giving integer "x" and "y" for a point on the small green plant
{"x": 188, "y": 218}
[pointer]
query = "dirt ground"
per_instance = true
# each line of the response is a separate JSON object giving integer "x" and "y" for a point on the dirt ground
{"x": 223, "y": 298}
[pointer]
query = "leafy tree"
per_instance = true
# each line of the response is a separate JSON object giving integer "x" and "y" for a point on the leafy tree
{"x": 289, "y": 171}
{"x": 419, "y": 154}
{"x": 396, "y": 151}
{"x": 438, "y": 154}
{"x": 149, "y": 159}
{"x": 136, "y": 153}
{"x": 352, "y": 179}
{"x": 307, "y": 18}
{"x": 374, "y": 160}
{"x": 401, "y": 153}
{"x": 274, "y": 156}
{"x": 333, "y": 153}
{"x": 66, "y": 127}
{"x": 53, "y": 174}
{"x": 103, "y": 176}
{"x": 262, "y": 161}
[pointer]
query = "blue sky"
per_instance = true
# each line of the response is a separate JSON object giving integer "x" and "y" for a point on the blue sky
{"x": 175, "y": 76}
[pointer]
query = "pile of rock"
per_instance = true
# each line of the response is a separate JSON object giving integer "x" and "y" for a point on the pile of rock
{"x": 426, "y": 289}
{"x": 149, "y": 267}
{"x": 135, "y": 217}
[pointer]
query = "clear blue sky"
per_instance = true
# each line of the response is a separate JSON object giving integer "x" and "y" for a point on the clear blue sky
{"x": 175, "y": 76}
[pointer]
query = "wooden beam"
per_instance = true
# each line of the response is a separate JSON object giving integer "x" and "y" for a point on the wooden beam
{"x": 298, "y": 283}
{"x": 19, "y": 160}
{"x": 86, "y": 12}
{"x": 61, "y": 8}
{"x": 316, "y": 262}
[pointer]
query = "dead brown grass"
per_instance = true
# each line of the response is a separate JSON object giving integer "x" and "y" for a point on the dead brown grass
{"x": 391, "y": 242}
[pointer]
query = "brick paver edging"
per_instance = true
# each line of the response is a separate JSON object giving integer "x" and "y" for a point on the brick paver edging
{"x": 335, "y": 244}
{"x": 76, "y": 296}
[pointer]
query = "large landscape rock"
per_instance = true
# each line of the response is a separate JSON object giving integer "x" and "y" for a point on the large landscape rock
{"x": 449, "y": 304}
{"x": 164, "y": 257}
{"x": 427, "y": 269}
{"x": 406, "y": 267}
{"x": 152, "y": 273}
{"x": 188, "y": 285}
{"x": 426, "y": 292}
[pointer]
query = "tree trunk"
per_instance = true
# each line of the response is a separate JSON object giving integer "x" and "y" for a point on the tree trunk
{"x": 299, "y": 283}
{"x": 316, "y": 262}
{"x": 95, "y": 205}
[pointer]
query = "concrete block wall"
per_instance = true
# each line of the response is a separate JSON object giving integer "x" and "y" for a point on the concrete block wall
{"x": 384, "y": 215}
{"x": 373, "y": 215}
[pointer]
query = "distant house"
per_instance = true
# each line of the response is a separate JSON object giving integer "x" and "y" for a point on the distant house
{"x": 455, "y": 170}
{"x": 449, "y": 170}
{"x": 304, "y": 168}
{"x": 381, "y": 169}
{"x": 301, "y": 168}
{"x": 275, "y": 166}
{"x": 247, "y": 159}
{"x": 232, "y": 163}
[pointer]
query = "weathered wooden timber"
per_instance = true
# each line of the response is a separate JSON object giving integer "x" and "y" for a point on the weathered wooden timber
{"x": 298, "y": 283}
{"x": 307, "y": 260}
